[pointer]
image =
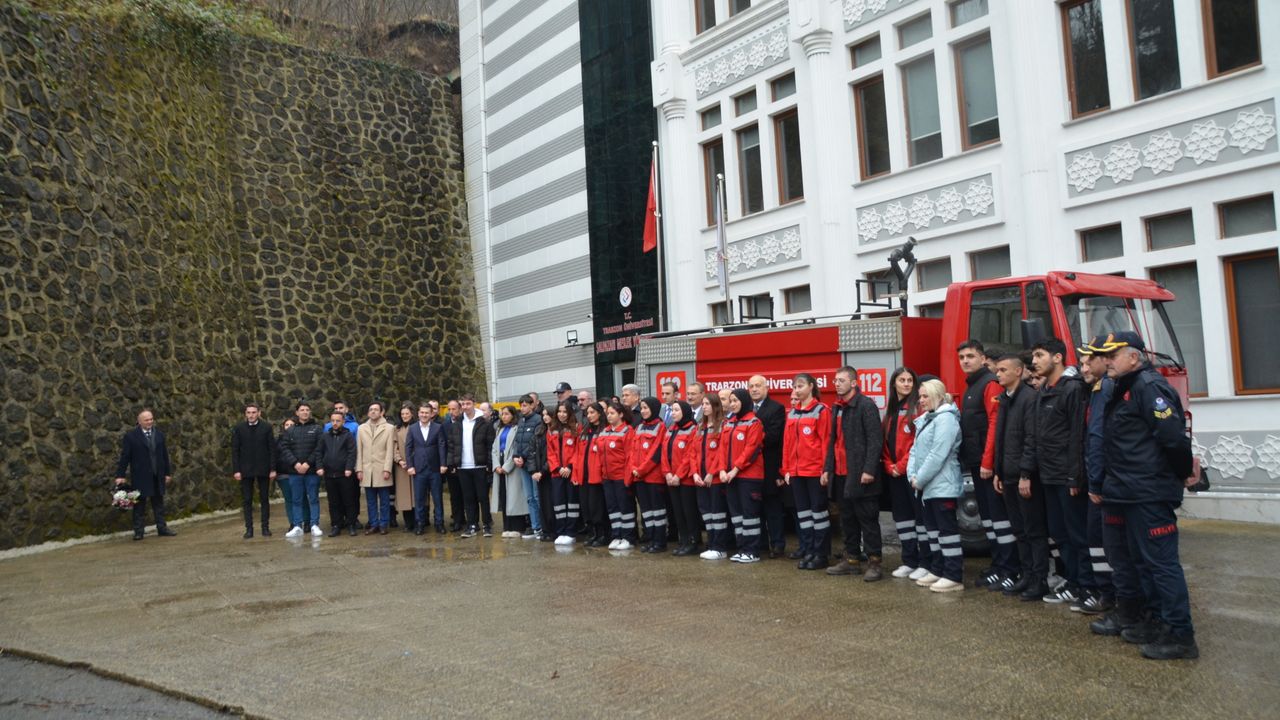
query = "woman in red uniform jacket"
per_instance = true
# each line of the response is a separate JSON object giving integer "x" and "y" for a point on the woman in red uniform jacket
{"x": 677, "y": 470}
{"x": 899, "y": 436}
{"x": 562, "y": 455}
{"x": 586, "y": 475}
{"x": 646, "y": 473}
{"x": 743, "y": 444}
{"x": 612, "y": 448}
{"x": 804, "y": 452}
{"x": 707, "y": 460}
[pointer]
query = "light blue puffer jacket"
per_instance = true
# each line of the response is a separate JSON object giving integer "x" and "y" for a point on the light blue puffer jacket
{"x": 935, "y": 456}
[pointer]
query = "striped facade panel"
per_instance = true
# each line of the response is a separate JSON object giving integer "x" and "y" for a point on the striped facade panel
{"x": 539, "y": 320}
{"x": 534, "y": 119}
{"x": 540, "y": 238}
{"x": 536, "y": 38}
{"x": 536, "y": 158}
{"x": 558, "y": 189}
{"x": 566, "y": 59}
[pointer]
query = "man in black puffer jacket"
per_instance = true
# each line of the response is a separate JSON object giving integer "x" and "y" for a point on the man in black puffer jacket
{"x": 1017, "y": 482}
{"x": 1059, "y": 445}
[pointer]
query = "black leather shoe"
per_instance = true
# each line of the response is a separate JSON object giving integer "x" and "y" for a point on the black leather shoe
{"x": 1144, "y": 632}
{"x": 351, "y": 531}
{"x": 137, "y": 534}
{"x": 439, "y": 529}
{"x": 165, "y": 532}
{"x": 798, "y": 555}
{"x": 1034, "y": 592}
{"x": 335, "y": 531}
{"x": 819, "y": 562}
{"x": 266, "y": 531}
{"x": 248, "y": 533}
{"x": 1019, "y": 587}
{"x": 419, "y": 530}
{"x": 1171, "y": 647}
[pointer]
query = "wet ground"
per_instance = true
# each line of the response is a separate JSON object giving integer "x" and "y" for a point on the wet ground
{"x": 406, "y": 627}
{"x": 31, "y": 690}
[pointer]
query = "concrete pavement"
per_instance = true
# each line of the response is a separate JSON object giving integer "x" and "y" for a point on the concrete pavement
{"x": 407, "y": 627}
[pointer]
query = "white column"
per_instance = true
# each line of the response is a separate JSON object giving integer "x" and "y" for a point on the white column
{"x": 682, "y": 241}
{"x": 822, "y": 177}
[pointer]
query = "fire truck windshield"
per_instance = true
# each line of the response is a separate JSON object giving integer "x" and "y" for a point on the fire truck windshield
{"x": 1090, "y": 315}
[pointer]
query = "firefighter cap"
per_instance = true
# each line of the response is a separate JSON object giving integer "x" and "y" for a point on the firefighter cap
{"x": 1116, "y": 340}
{"x": 1091, "y": 346}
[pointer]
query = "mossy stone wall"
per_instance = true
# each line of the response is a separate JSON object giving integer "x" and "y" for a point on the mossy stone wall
{"x": 191, "y": 222}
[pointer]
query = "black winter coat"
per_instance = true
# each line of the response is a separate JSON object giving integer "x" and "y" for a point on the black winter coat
{"x": 1060, "y": 430}
{"x": 863, "y": 445}
{"x": 253, "y": 449}
{"x": 482, "y": 435}
{"x": 301, "y": 444}
{"x": 1015, "y": 441}
{"x": 1147, "y": 451}
{"x": 145, "y": 466}
{"x": 337, "y": 451}
{"x": 773, "y": 420}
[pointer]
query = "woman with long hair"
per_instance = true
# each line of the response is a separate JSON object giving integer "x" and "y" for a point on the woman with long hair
{"x": 508, "y": 496}
{"x": 744, "y": 473}
{"x": 402, "y": 490}
{"x": 899, "y": 436}
{"x": 707, "y": 460}
{"x": 562, "y": 457}
{"x": 804, "y": 454}
{"x": 612, "y": 445}
{"x": 934, "y": 471}
{"x": 677, "y": 471}
{"x": 646, "y": 473}
{"x": 587, "y": 476}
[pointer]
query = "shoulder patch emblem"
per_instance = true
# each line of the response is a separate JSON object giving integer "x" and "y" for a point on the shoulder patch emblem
{"x": 569, "y": 441}
{"x": 645, "y": 446}
{"x": 807, "y": 430}
{"x": 712, "y": 444}
{"x": 613, "y": 444}
{"x": 1162, "y": 410}
{"x": 742, "y": 436}
{"x": 680, "y": 444}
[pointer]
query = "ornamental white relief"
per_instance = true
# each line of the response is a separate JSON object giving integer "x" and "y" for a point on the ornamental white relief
{"x": 869, "y": 224}
{"x": 979, "y": 197}
{"x": 1084, "y": 171}
{"x": 948, "y": 204}
{"x": 1161, "y": 152}
{"x": 756, "y": 252}
{"x": 1198, "y": 451}
{"x": 1205, "y": 141}
{"x": 1122, "y": 162}
{"x": 855, "y": 9}
{"x": 742, "y": 58}
{"x": 1231, "y": 456}
{"x": 895, "y": 218}
{"x": 1252, "y": 130}
{"x": 921, "y": 211}
{"x": 1269, "y": 456}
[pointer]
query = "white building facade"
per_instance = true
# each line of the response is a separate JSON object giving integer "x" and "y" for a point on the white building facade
{"x": 1009, "y": 137}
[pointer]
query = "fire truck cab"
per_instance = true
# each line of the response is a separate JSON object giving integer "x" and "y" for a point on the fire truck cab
{"x": 1006, "y": 315}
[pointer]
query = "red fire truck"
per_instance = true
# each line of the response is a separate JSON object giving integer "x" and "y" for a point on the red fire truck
{"x": 1006, "y": 315}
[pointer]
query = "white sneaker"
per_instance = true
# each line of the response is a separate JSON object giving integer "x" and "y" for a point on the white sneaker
{"x": 928, "y": 580}
{"x": 903, "y": 571}
{"x": 295, "y": 531}
{"x": 623, "y": 545}
{"x": 945, "y": 585}
{"x": 736, "y": 557}
{"x": 564, "y": 540}
{"x": 713, "y": 555}
{"x": 748, "y": 558}
{"x": 316, "y": 531}
{"x": 918, "y": 573}
{"x": 510, "y": 534}
{"x": 528, "y": 534}
{"x": 613, "y": 544}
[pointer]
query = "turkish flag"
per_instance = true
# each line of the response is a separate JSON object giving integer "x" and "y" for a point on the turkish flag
{"x": 651, "y": 213}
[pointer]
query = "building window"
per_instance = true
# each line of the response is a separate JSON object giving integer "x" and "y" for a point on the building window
{"x": 1231, "y": 35}
{"x": 1184, "y": 313}
{"x": 1101, "y": 243}
{"x": 1170, "y": 231}
{"x": 786, "y": 137}
{"x": 719, "y": 313}
{"x": 924, "y": 130}
{"x": 1253, "y": 303}
{"x": 932, "y": 310}
{"x": 744, "y": 103}
{"x": 749, "y": 172}
{"x": 1086, "y": 57}
{"x": 1153, "y": 47}
{"x": 755, "y": 307}
{"x": 933, "y": 274}
{"x": 737, "y": 6}
{"x": 873, "y": 127}
{"x": 915, "y": 31}
{"x": 1247, "y": 216}
{"x": 881, "y": 285}
{"x": 963, "y": 11}
{"x": 713, "y": 165}
{"x": 797, "y": 300}
{"x": 988, "y": 264}
{"x": 710, "y": 117}
{"x": 976, "y": 82}
{"x": 704, "y": 13}
{"x": 867, "y": 51}
{"x": 784, "y": 86}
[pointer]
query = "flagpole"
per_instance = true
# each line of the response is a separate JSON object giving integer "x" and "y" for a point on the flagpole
{"x": 722, "y": 248}
{"x": 657, "y": 213}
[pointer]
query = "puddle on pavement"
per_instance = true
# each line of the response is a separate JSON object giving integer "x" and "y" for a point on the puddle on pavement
{"x": 180, "y": 597}
{"x": 452, "y": 553}
{"x": 263, "y": 607}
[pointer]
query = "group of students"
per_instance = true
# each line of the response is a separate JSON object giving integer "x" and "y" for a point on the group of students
{"x": 1066, "y": 463}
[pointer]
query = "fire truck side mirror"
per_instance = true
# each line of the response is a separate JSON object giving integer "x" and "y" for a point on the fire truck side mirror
{"x": 1033, "y": 331}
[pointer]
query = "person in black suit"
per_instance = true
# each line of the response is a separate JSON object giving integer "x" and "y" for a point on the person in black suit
{"x": 773, "y": 416}
{"x": 457, "y": 518}
{"x": 426, "y": 458}
{"x": 470, "y": 444}
{"x": 145, "y": 460}
{"x": 253, "y": 462}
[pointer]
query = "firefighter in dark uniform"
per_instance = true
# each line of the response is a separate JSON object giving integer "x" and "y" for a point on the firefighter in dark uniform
{"x": 1148, "y": 461}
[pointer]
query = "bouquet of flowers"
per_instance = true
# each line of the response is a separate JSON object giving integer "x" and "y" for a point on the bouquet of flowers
{"x": 124, "y": 499}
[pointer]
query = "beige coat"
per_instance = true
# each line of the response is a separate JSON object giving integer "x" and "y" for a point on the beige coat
{"x": 404, "y": 481}
{"x": 375, "y": 452}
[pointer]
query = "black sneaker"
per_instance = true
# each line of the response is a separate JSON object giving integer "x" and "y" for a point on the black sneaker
{"x": 1002, "y": 583}
{"x": 1092, "y": 604}
{"x": 488, "y": 531}
{"x": 470, "y": 532}
{"x": 1171, "y": 647}
{"x": 1146, "y": 631}
{"x": 1066, "y": 594}
{"x": 986, "y": 577}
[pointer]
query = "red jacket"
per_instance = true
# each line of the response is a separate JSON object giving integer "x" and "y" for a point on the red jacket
{"x": 677, "y": 453}
{"x": 587, "y": 466}
{"x": 744, "y": 446}
{"x": 707, "y": 457}
{"x": 612, "y": 448}
{"x": 646, "y": 452}
{"x": 836, "y": 436}
{"x": 562, "y": 452}
{"x": 903, "y": 430}
{"x": 804, "y": 440}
